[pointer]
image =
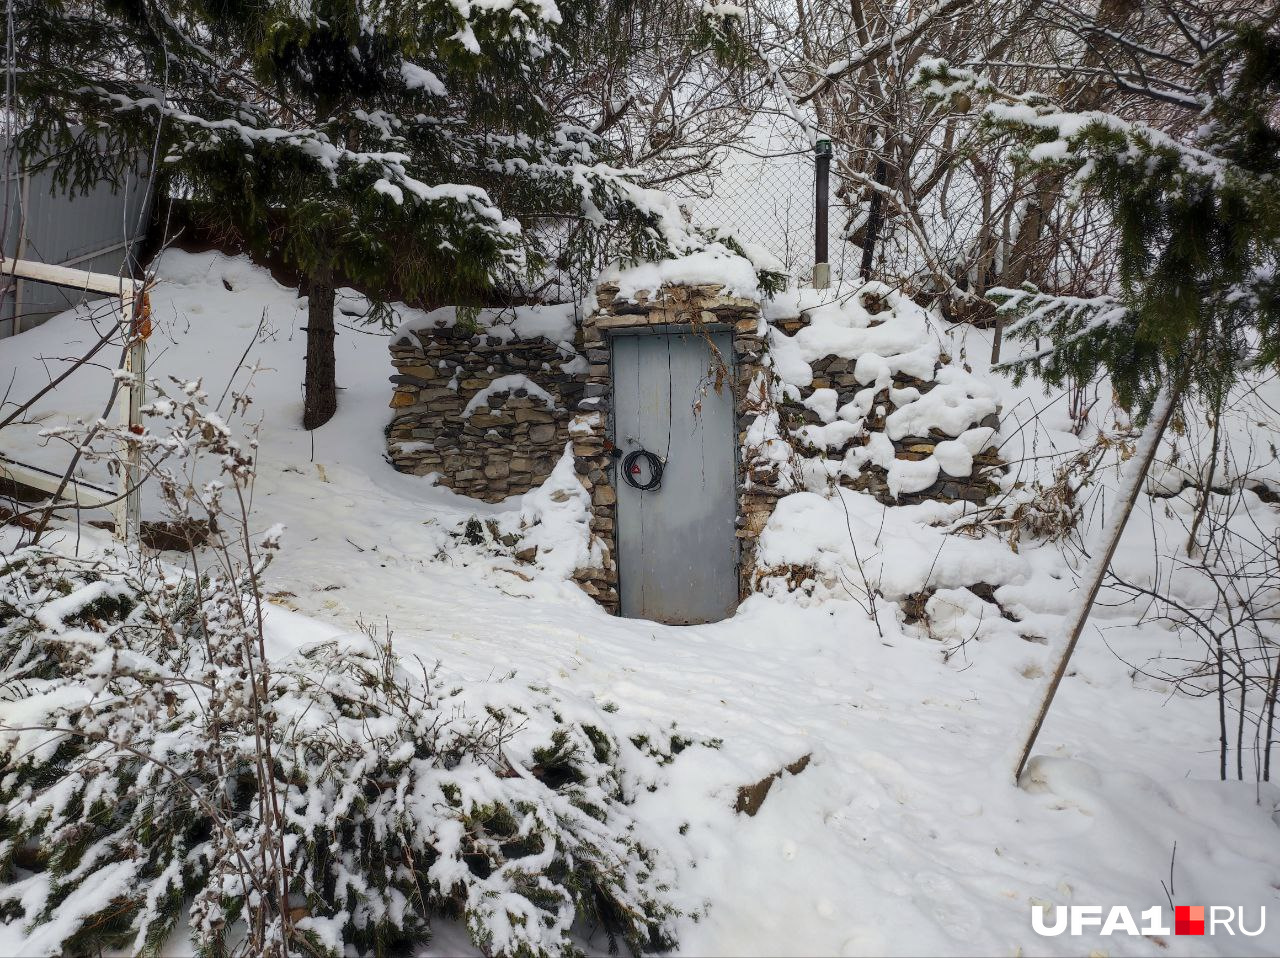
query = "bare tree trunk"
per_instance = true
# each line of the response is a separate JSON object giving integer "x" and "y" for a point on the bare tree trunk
{"x": 1272, "y": 694}
{"x": 875, "y": 216}
{"x": 1206, "y": 482}
{"x": 320, "y": 387}
{"x": 1244, "y": 701}
{"x": 1130, "y": 488}
{"x": 1222, "y": 708}
{"x": 1017, "y": 268}
{"x": 997, "y": 337}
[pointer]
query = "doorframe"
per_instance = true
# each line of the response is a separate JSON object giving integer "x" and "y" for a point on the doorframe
{"x": 611, "y": 425}
{"x": 670, "y": 308}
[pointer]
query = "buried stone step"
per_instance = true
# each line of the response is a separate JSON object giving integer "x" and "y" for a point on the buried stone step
{"x": 751, "y": 797}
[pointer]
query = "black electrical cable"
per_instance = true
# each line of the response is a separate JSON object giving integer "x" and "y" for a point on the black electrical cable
{"x": 630, "y": 468}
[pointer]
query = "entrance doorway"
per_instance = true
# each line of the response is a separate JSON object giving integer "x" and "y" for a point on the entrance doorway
{"x": 675, "y": 431}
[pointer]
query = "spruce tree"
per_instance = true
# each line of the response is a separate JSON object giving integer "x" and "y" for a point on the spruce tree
{"x": 1196, "y": 214}
{"x": 1195, "y": 208}
{"x": 396, "y": 145}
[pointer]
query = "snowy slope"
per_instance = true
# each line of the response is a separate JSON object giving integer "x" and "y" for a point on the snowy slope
{"x": 904, "y": 834}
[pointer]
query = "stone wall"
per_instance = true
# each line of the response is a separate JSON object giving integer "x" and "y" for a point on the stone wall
{"x": 837, "y": 373}
{"x": 698, "y": 307}
{"x": 489, "y": 414}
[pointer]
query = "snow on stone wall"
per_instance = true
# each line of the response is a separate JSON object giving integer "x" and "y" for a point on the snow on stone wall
{"x": 870, "y": 397}
{"x": 851, "y": 389}
{"x": 485, "y": 406}
{"x": 889, "y": 435}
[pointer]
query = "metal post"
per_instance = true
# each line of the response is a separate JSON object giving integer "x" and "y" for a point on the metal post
{"x": 19, "y": 287}
{"x": 822, "y": 171}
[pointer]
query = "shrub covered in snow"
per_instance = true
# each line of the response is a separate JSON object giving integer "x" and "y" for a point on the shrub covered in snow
{"x": 354, "y": 800}
{"x": 164, "y": 762}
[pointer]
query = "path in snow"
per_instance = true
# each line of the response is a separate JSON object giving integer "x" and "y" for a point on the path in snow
{"x": 903, "y": 836}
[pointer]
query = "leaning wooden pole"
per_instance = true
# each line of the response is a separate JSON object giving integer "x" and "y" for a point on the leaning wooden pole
{"x": 1130, "y": 487}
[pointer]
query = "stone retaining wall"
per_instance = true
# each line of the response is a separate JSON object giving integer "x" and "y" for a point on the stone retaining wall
{"x": 491, "y": 416}
{"x": 454, "y": 418}
{"x": 836, "y": 373}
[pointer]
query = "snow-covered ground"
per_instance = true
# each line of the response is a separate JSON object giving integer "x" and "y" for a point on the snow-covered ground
{"x": 905, "y": 834}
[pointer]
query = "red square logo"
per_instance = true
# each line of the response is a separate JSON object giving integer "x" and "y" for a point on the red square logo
{"x": 1188, "y": 919}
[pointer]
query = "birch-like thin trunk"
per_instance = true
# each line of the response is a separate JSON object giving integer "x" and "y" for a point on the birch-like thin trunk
{"x": 875, "y": 217}
{"x": 1130, "y": 487}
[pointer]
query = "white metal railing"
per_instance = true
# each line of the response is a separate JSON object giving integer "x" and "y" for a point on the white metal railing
{"x": 135, "y": 311}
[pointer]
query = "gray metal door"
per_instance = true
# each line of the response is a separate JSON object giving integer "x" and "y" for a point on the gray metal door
{"x": 677, "y": 553}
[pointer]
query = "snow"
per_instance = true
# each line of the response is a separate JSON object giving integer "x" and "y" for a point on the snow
{"x": 953, "y": 457}
{"x": 554, "y": 322}
{"x": 899, "y": 549}
{"x": 715, "y": 264}
{"x": 823, "y": 402}
{"x": 957, "y": 400}
{"x": 762, "y": 259}
{"x": 52, "y": 615}
{"x": 70, "y": 913}
{"x": 896, "y": 337}
{"x": 905, "y": 834}
{"x": 417, "y": 78}
{"x": 508, "y": 384}
{"x": 387, "y": 188}
{"x": 1070, "y": 126}
{"x": 724, "y": 11}
{"x": 412, "y": 446}
{"x": 833, "y": 435}
{"x": 556, "y": 516}
{"x": 906, "y": 476}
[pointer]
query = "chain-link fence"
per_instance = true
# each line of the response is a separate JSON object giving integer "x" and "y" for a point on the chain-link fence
{"x": 766, "y": 203}
{"x": 770, "y": 203}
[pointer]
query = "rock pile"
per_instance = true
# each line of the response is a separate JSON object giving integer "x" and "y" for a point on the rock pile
{"x": 870, "y": 393}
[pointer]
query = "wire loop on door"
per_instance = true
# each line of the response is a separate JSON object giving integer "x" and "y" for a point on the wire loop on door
{"x": 631, "y": 470}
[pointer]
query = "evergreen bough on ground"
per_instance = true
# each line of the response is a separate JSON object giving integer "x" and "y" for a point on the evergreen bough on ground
{"x": 134, "y": 791}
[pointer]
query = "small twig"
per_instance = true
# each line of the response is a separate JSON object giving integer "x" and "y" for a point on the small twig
{"x": 1168, "y": 889}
